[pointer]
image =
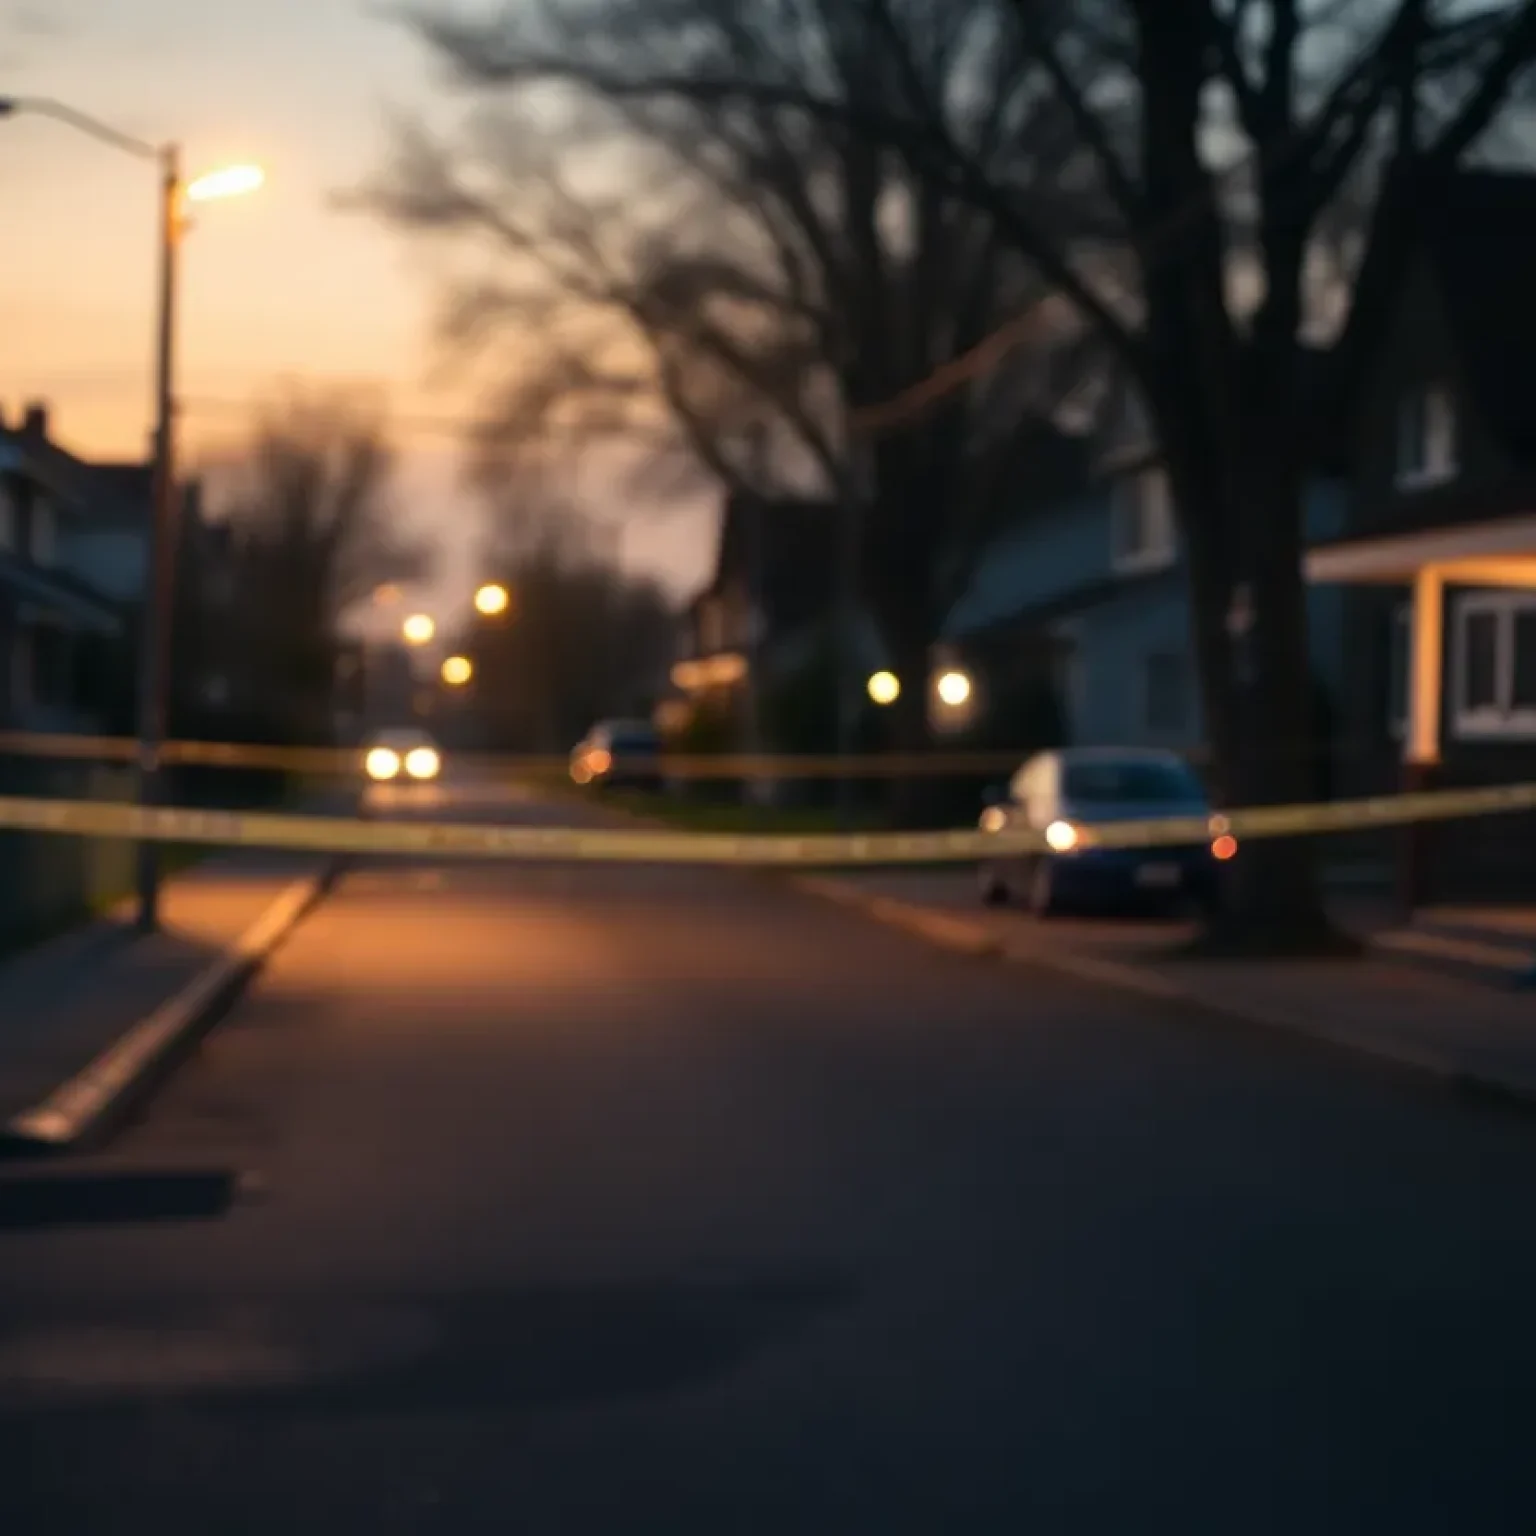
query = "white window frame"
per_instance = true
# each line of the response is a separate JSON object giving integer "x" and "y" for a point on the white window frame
{"x": 1426, "y": 437}
{"x": 1143, "y": 501}
{"x": 1501, "y": 722}
{"x": 1148, "y": 726}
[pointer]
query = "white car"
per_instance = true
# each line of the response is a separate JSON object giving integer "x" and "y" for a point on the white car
{"x": 409, "y": 755}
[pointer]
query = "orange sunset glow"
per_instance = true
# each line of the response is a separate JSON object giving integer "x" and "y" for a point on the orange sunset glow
{"x": 276, "y": 287}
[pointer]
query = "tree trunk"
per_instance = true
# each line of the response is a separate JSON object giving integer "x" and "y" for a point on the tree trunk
{"x": 1259, "y": 692}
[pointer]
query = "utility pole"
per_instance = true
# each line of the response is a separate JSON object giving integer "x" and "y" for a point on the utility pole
{"x": 159, "y": 597}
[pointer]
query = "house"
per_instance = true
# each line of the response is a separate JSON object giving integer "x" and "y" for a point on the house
{"x": 52, "y": 622}
{"x": 87, "y": 524}
{"x": 1085, "y": 592}
{"x": 1439, "y": 553}
{"x": 770, "y": 613}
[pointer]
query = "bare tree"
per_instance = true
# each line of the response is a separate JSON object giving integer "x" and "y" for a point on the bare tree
{"x": 313, "y": 529}
{"x": 738, "y": 278}
{"x": 586, "y": 639}
{"x": 1210, "y": 145}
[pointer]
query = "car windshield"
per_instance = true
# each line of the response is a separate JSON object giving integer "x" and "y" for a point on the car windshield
{"x": 1130, "y": 781}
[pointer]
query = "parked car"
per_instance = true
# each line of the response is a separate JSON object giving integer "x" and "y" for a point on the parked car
{"x": 1059, "y": 794}
{"x": 618, "y": 754}
{"x": 396, "y": 755}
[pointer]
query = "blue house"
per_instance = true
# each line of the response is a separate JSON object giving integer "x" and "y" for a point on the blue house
{"x": 1088, "y": 590}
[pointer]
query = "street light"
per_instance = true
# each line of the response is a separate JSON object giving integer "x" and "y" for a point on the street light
{"x": 232, "y": 181}
{"x": 457, "y": 670}
{"x": 418, "y": 629}
{"x": 492, "y": 599}
{"x": 884, "y": 687}
{"x": 154, "y": 643}
{"x": 954, "y": 688}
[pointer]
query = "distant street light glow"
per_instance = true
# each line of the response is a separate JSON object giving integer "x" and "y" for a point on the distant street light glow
{"x": 885, "y": 687}
{"x": 419, "y": 628}
{"x": 232, "y": 181}
{"x": 457, "y": 671}
{"x": 492, "y": 599}
{"x": 954, "y": 689}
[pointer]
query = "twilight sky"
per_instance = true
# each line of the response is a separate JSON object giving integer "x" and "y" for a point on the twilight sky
{"x": 276, "y": 286}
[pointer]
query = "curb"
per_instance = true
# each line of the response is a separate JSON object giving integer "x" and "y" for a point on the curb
{"x": 86, "y": 1108}
{"x": 961, "y": 935}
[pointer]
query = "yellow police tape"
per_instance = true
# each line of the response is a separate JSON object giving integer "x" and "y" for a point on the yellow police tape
{"x": 343, "y": 835}
{"x": 348, "y": 761}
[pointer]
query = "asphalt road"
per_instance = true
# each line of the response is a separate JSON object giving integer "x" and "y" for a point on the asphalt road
{"x": 596, "y": 1200}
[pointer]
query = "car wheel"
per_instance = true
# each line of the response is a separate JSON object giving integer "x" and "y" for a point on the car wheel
{"x": 993, "y": 889}
{"x": 1043, "y": 898}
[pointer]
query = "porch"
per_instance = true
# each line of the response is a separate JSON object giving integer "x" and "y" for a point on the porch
{"x": 1469, "y": 716}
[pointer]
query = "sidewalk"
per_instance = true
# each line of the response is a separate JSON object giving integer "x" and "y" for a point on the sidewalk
{"x": 1471, "y": 1036}
{"x": 66, "y": 1001}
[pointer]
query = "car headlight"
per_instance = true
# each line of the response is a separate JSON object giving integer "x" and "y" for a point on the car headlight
{"x": 599, "y": 761}
{"x": 423, "y": 763}
{"x": 994, "y": 819}
{"x": 1061, "y": 837}
{"x": 382, "y": 763}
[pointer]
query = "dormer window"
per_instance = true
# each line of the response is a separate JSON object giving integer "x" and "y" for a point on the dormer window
{"x": 1426, "y": 437}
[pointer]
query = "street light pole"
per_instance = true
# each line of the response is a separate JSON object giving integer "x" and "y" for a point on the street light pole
{"x": 155, "y": 642}
{"x": 160, "y": 551}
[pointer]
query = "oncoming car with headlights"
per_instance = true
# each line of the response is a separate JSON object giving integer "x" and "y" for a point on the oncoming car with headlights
{"x": 1063, "y": 794}
{"x": 403, "y": 756}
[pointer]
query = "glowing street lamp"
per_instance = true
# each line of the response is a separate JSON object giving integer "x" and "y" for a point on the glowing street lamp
{"x": 232, "y": 181}
{"x": 954, "y": 688}
{"x": 457, "y": 670}
{"x": 884, "y": 687}
{"x": 492, "y": 599}
{"x": 418, "y": 629}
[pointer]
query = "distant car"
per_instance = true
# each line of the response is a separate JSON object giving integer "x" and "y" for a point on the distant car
{"x": 619, "y": 754}
{"x": 402, "y": 755}
{"x": 1060, "y": 794}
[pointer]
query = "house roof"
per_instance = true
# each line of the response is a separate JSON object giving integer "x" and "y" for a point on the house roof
{"x": 60, "y": 592}
{"x": 1479, "y": 234}
{"x": 111, "y": 494}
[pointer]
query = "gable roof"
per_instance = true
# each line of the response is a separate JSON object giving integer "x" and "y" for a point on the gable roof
{"x": 108, "y": 495}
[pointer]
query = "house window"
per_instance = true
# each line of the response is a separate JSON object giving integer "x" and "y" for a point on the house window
{"x": 9, "y": 518}
{"x": 1493, "y": 665}
{"x": 1426, "y": 437}
{"x": 1165, "y": 693}
{"x": 1142, "y": 522}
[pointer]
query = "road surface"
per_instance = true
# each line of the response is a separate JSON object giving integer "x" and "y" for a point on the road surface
{"x": 595, "y": 1200}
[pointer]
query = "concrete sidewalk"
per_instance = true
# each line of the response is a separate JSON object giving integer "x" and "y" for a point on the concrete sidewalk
{"x": 1468, "y": 1035}
{"x": 65, "y": 1002}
